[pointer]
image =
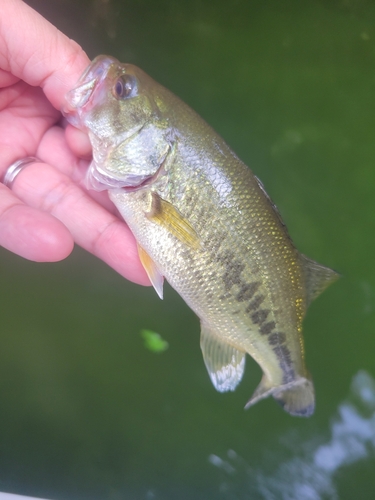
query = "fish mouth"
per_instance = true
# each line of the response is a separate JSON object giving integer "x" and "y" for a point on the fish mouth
{"x": 77, "y": 99}
{"x": 99, "y": 180}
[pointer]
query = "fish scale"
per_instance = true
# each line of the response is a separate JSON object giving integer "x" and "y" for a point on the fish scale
{"x": 190, "y": 273}
{"x": 204, "y": 222}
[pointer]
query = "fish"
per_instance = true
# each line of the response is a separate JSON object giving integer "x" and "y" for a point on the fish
{"x": 204, "y": 222}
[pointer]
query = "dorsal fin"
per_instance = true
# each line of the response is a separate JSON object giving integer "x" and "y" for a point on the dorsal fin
{"x": 318, "y": 277}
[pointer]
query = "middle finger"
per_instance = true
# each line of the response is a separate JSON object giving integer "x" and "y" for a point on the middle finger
{"x": 93, "y": 228}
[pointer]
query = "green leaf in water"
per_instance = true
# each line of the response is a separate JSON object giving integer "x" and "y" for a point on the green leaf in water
{"x": 153, "y": 341}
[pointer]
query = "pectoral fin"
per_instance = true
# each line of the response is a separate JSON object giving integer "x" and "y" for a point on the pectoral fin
{"x": 164, "y": 213}
{"x": 225, "y": 364}
{"x": 156, "y": 278}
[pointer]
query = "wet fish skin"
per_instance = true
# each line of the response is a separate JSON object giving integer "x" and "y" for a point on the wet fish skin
{"x": 205, "y": 223}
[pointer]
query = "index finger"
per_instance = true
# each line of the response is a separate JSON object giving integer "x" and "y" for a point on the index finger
{"x": 34, "y": 50}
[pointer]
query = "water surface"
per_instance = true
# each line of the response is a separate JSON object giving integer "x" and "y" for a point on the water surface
{"x": 86, "y": 410}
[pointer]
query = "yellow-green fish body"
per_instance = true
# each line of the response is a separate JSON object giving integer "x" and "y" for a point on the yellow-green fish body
{"x": 203, "y": 221}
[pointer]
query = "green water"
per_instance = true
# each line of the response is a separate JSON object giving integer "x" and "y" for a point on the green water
{"x": 87, "y": 412}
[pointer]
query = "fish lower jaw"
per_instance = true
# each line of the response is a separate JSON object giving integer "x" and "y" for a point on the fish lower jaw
{"x": 98, "y": 180}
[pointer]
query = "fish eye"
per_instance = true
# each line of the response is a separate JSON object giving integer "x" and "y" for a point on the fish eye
{"x": 125, "y": 87}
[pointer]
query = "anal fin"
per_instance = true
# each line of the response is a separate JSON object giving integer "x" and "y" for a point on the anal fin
{"x": 225, "y": 364}
{"x": 156, "y": 278}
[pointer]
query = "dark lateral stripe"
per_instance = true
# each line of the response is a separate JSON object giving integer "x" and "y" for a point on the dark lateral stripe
{"x": 253, "y": 306}
{"x": 267, "y": 328}
{"x": 247, "y": 291}
{"x": 277, "y": 338}
{"x": 284, "y": 355}
{"x": 260, "y": 317}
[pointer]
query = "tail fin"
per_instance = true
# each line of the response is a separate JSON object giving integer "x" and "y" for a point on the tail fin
{"x": 297, "y": 397}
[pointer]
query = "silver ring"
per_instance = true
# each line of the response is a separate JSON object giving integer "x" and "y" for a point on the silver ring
{"x": 16, "y": 168}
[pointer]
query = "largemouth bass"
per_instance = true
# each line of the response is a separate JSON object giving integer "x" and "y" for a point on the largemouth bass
{"x": 204, "y": 222}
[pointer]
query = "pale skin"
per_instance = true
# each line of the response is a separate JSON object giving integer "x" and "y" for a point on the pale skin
{"x": 48, "y": 209}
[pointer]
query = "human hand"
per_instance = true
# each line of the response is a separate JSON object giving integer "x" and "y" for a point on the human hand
{"x": 48, "y": 208}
